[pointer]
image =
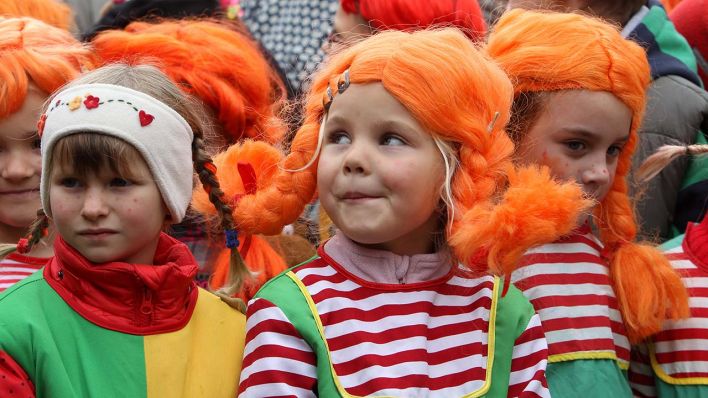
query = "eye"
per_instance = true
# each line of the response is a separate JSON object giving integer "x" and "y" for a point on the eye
{"x": 614, "y": 150}
{"x": 339, "y": 138}
{"x": 120, "y": 182}
{"x": 393, "y": 140}
{"x": 575, "y": 146}
{"x": 70, "y": 182}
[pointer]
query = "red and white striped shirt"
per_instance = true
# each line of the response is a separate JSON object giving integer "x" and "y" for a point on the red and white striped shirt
{"x": 425, "y": 339}
{"x": 568, "y": 284}
{"x": 679, "y": 353}
{"x": 16, "y": 267}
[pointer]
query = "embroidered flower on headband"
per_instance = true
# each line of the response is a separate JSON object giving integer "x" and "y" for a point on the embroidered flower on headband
{"x": 40, "y": 124}
{"x": 91, "y": 102}
{"x": 75, "y": 103}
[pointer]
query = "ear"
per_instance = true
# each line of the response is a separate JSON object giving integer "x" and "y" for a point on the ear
{"x": 168, "y": 215}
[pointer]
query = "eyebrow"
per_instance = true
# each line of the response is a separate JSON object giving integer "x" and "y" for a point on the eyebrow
{"x": 590, "y": 134}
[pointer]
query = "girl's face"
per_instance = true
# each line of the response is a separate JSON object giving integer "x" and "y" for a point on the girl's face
{"x": 20, "y": 164}
{"x": 108, "y": 217}
{"x": 380, "y": 173}
{"x": 579, "y": 134}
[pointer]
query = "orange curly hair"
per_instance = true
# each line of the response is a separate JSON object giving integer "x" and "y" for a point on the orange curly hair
{"x": 241, "y": 169}
{"x": 52, "y": 12}
{"x": 34, "y": 52}
{"x": 210, "y": 60}
{"x": 545, "y": 52}
{"x": 456, "y": 110}
{"x": 418, "y": 14}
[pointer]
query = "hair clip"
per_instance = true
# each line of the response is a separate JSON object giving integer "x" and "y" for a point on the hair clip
{"x": 490, "y": 127}
{"x": 343, "y": 84}
{"x": 327, "y": 100}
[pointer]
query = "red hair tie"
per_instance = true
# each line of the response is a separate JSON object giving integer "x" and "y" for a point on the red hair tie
{"x": 23, "y": 246}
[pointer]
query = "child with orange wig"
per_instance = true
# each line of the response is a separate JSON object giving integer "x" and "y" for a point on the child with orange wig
{"x": 672, "y": 364}
{"x": 580, "y": 90}
{"x": 401, "y": 301}
{"x": 35, "y": 59}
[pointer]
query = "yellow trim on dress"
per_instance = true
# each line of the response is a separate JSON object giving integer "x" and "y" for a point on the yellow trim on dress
{"x": 573, "y": 356}
{"x": 490, "y": 340}
{"x": 659, "y": 371}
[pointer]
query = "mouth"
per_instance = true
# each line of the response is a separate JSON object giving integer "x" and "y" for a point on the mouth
{"x": 97, "y": 233}
{"x": 20, "y": 192}
{"x": 357, "y": 196}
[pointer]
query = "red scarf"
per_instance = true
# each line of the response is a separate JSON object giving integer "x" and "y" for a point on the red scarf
{"x": 138, "y": 299}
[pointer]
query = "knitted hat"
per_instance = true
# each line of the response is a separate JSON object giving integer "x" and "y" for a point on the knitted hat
{"x": 156, "y": 131}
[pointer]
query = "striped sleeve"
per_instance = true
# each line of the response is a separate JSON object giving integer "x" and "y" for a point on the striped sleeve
{"x": 528, "y": 363}
{"x": 641, "y": 375}
{"x": 14, "y": 382}
{"x": 277, "y": 361}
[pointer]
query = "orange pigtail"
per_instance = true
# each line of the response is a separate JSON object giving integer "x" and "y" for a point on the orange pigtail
{"x": 211, "y": 61}
{"x": 520, "y": 221}
{"x": 241, "y": 170}
{"x": 586, "y": 53}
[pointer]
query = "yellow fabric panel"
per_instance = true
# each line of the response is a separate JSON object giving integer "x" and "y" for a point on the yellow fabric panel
{"x": 203, "y": 359}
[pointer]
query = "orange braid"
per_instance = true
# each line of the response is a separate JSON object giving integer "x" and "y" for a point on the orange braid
{"x": 545, "y": 52}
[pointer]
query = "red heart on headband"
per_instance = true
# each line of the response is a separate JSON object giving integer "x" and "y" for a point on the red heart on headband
{"x": 145, "y": 118}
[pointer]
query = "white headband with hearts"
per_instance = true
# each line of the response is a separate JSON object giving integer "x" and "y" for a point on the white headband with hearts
{"x": 157, "y": 132}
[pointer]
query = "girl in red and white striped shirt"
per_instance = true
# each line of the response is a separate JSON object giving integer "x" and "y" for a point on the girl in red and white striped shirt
{"x": 674, "y": 363}
{"x": 579, "y": 100}
{"x": 404, "y": 140}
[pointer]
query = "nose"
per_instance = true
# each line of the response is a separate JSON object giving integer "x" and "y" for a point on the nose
{"x": 596, "y": 174}
{"x": 357, "y": 159}
{"x": 95, "y": 205}
{"x": 18, "y": 166}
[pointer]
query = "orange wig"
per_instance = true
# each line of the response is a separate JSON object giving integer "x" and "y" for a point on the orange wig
{"x": 52, "y": 12}
{"x": 241, "y": 169}
{"x": 418, "y": 14}
{"x": 545, "y": 52}
{"x": 34, "y": 52}
{"x": 208, "y": 59}
{"x": 467, "y": 111}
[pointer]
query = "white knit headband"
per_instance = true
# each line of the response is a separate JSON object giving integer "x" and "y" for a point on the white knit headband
{"x": 155, "y": 130}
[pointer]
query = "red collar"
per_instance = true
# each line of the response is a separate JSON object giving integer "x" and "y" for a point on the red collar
{"x": 695, "y": 243}
{"x": 137, "y": 299}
